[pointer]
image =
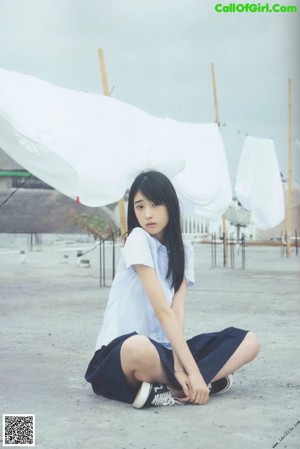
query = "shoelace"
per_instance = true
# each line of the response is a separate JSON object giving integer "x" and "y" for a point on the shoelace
{"x": 163, "y": 399}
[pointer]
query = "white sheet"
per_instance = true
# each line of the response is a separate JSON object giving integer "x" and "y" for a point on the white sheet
{"x": 204, "y": 186}
{"x": 258, "y": 184}
{"x": 92, "y": 147}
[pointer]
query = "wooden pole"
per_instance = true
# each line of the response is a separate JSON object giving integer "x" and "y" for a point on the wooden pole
{"x": 288, "y": 221}
{"x": 218, "y": 122}
{"x": 107, "y": 93}
{"x": 215, "y": 94}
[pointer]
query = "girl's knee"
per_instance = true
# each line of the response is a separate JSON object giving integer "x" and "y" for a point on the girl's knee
{"x": 252, "y": 346}
{"x": 137, "y": 347}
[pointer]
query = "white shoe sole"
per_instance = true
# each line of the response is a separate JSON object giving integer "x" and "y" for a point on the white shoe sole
{"x": 142, "y": 395}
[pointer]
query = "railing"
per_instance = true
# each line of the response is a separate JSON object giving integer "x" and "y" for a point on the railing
{"x": 194, "y": 225}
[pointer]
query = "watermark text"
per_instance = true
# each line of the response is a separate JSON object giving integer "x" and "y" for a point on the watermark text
{"x": 287, "y": 433}
{"x": 255, "y": 8}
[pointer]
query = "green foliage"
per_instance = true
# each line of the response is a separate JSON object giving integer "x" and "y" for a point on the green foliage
{"x": 100, "y": 228}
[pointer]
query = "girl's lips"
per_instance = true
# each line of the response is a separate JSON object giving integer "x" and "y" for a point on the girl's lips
{"x": 150, "y": 224}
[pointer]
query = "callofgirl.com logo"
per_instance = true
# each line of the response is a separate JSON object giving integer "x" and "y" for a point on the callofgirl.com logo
{"x": 254, "y": 8}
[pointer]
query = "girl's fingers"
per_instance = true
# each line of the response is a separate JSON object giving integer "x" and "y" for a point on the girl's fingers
{"x": 185, "y": 388}
{"x": 185, "y": 385}
{"x": 183, "y": 399}
{"x": 200, "y": 398}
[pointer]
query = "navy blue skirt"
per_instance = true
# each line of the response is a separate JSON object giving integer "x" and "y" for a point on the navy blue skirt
{"x": 211, "y": 351}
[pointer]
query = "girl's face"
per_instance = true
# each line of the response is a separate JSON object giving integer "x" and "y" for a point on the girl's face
{"x": 152, "y": 217}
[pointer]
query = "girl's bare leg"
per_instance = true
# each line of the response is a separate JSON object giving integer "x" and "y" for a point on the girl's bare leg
{"x": 140, "y": 361}
{"x": 245, "y": 353}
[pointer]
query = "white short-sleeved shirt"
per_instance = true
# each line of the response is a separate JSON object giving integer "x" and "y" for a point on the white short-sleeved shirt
{"x": 129, "y": 308}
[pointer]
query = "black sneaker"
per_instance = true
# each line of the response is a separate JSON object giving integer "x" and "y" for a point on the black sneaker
{"x": 221, "y": 386}
{"x": 153, "y": 394}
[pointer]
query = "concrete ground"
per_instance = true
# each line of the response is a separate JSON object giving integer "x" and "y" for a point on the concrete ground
{"x": 50, "y": 317}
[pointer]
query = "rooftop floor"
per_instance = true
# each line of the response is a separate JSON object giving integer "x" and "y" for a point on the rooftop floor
{"x": 50, "y": 317}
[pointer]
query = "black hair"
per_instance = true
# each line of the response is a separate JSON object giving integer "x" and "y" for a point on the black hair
{"x": 156, "y": 187}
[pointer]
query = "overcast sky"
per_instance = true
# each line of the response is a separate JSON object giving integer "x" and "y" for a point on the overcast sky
{"x": 158, "y": 57}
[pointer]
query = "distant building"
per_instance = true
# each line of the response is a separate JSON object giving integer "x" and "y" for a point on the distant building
{"x": 36, "y": 207}
{"x": 12, "y": 175}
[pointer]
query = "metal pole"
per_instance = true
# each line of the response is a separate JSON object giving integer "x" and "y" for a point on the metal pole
{"x": 113, "y": 257}
{"x": 290, "y": 174}
{"x": 243, "y": 251}
{"x": 104, "y": 263}
{"x": 100, "y": 260}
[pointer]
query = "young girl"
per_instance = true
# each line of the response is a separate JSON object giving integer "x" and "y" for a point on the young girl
{"x": 142, "y": 357}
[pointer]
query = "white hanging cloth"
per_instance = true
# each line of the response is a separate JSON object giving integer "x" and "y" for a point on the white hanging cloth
{"x": 204, "y": 186}
{"x": 92, "y": 147}
{"x": 258, "y": 184}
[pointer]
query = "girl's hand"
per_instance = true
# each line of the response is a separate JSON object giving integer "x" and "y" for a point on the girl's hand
{"x": 183, "y": 380}
{"x": 199, "y": 391}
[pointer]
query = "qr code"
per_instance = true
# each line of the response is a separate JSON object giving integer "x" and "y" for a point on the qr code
{"x": 18, "y": 430}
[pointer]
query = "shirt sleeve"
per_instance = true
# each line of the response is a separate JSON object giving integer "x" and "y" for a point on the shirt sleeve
{"x": 189, "y": 270}
{"x": 137, "y": 249}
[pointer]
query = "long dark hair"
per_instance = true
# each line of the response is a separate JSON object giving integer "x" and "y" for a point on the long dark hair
{"x": 158, "y": 188}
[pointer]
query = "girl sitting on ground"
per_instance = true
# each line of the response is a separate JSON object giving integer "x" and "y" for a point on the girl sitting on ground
{"x": 142, "y": 356}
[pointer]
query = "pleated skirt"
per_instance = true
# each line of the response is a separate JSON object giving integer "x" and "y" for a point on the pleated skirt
{"x": 210, "y": 350}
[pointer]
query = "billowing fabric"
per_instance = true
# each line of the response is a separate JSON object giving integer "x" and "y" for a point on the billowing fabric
{"x": 83, "y": 144}
{"x": 129, "y": 308}
{"x": 204, "y": 186}
{"x": 258, "y": 183}
{"x": 92, "y": 147}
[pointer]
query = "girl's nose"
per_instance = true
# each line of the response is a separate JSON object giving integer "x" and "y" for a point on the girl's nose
{"x": 148, "y": 213}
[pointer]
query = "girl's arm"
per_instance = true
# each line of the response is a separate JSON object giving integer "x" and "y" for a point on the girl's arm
{"x": 199, "y": 392}
{"x": 178, "y": 304}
